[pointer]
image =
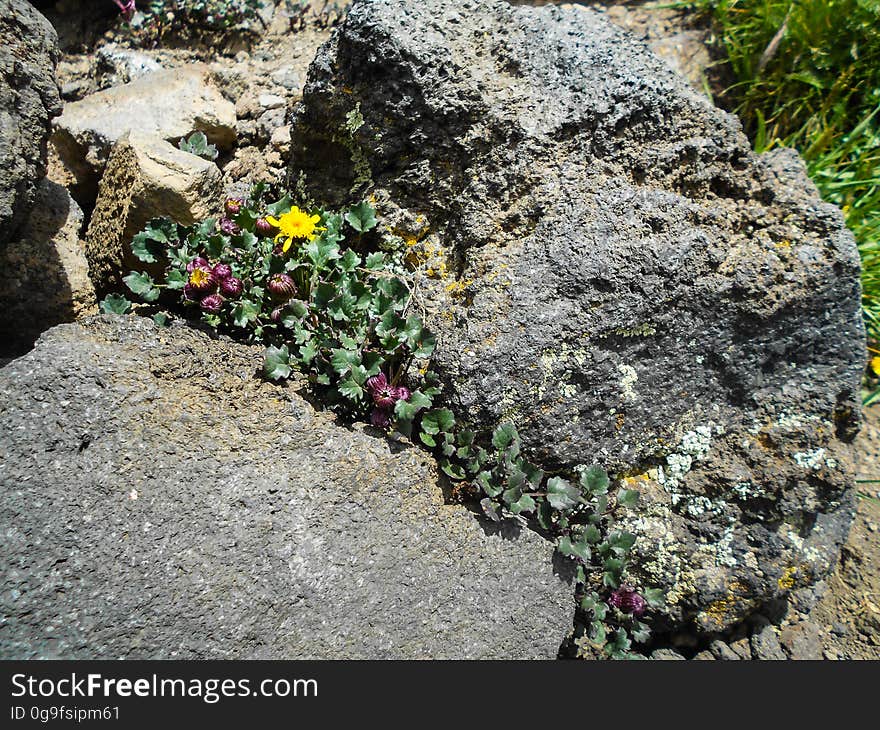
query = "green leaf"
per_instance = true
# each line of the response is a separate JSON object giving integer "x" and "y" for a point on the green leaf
{"x": 577, "y": 549}
{"x": 276, "y": 362}
{"x": 442, "y": 419}
{"x": 161, "y": 319}
{"x": 452, "y": 470}
{"x": 142, "y": 285}
{"x": 595, "y": 480}
{"x": 561, "y": 493}
{"x": 424, "y": 347}
{"x": 280, "y": 206}
{"x": 245, "y": 312}
{"x": 490, "y": 509}
{"x": 362, "y": 217}
{"x": 504, "y": 435}
{"x": 641, "y": 632}
{"x": 176, "y": 279}
{"x": 524, "y": 504}
{"x": 427, "y": 439}
{"x": 487, "y": 484}
{"x": 197, "y": 144}
{"x": 375, "y": 261}
{"x": 146, "y": 249}
{"x": 351, "y": 390}
{"x": 655, "y": 597}
{"x": 344, "y": 360}
{"x": 545, "y": 515}
{"x": 627, "y": 497}
{"x": 115, "y": 304}
{"x": 591, "y": 534}
{"x": 307, "y": 352}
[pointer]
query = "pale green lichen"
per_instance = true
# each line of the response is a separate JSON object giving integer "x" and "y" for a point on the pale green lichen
{"x": 629, "y": 377}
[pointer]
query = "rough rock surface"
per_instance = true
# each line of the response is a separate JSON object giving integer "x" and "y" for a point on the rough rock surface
{"x": 146, "y": 177}
{"x": 157, "y": 500}
{"x": 46, "y": 275}
{"x": 28, "y": 100}
{"x": 627, "y": 281}
{"x": 171, "y": 104}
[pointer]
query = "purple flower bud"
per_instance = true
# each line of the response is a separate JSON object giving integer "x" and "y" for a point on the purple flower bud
{"x": 229, "y": 226}
{"x": 190, "y": 293}
{"x": 197, "y": 261}
{"x": 380, "y": 418}
{"x": 233, "y": 206}
{"x": 212, "y": 303}
{"x": 377, "y": 382}
{"x": 202, "y": 280}
{"x": 222, "y": 271}
{"x": 275, "y": 316}
{"x": 262, "y": 227}
{"x": 627, "y": 600}
{"x": 401, "y": 393}
{"x": 281, "y": 286}
{"x": 231, "y": 287}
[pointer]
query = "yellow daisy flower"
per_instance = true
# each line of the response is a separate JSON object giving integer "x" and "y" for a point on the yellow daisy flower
{"x": 295, "y": 225}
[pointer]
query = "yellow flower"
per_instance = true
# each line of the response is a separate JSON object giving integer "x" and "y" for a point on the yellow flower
{"x": 875, "y": 365}
{"x": 295, "y": 225}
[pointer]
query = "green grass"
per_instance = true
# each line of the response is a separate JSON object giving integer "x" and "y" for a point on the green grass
{"x": 818, "y": 90}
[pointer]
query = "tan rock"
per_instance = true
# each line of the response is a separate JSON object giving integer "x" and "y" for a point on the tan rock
{"x": 169, "y": 104}
{"x": 45, "y": 274}
{"x": 146, "y": 177}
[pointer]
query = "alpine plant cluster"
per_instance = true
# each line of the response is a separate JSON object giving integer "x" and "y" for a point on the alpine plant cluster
{"x": 331, "y": 299}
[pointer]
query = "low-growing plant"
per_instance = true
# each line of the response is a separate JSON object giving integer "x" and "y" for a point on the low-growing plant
{"x": 321, "y": 291}
{"x": 197, "y": 144}
{"x": 163, "y": 17}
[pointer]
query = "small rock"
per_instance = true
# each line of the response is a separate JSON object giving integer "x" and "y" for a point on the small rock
{"x": 802, "y": 641}
{"x": 830, "y": 654}
{"x": 839, "y": 629}
{"x": 287, "y": 77}
{"x": 146, "y": 177}
{"x": 271, "y": 101}
{"x": 280, "y": 139}
{"x": 742, "y": 648}
{"x": 169, "y": 104}
{"x": 720, "y": 650}
{"x": 704, "y": 656}
{"x": 122, "y": 65}
{"x": 247, "y": 107}
{"x": 666, "y": 655}
{"x": 766, "y": 646}
{"x": 46, "y": 275}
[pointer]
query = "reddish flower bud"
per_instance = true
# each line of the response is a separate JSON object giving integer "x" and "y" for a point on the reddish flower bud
{"x": 222, "y": 271}
{"x": 281, "y": 286}
{"x": 231, "y": 287}
{"x": 229, "y": 226}
{"x": 275, "y": 316}
{"x": 197, "y": 261}
{"x": 212, "y": 303}
{"x": 380, "y": 418}
{"x": 627, "y": 600}
{"x": 233, "y": 206}
{"x": 262, "y": 227}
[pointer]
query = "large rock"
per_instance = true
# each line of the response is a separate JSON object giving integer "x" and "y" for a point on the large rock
{"x": 46, "y": 278}
{"x": 146, "y": 177}
{"x": 28, "y": 100}
{"x": 627, "y": 281}
{"x": 157, "y": 500}
{"x": 171, "y": 104}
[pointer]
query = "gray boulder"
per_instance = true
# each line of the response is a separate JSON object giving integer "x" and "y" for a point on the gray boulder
{"x": 29, "y": 98}
{"x": 157, "y": 500}
{"x": 609, "y": 266}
